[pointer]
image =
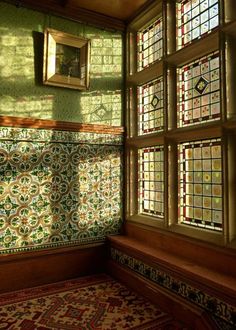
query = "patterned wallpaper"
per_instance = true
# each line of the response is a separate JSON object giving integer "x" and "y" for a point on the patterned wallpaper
{"x": 21, "y": 63}
{"x": 58, "y": 188}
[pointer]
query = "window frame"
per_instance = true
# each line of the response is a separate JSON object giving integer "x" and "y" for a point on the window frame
{"x": 222, "y": 38}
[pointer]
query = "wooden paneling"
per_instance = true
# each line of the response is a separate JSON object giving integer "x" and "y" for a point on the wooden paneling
{"x": 193, "y": 316}
{"x": 31, "y": 269}
{"x": 212, "y": 257}
{"x": 11, "y": 121}
{"x": 187, "y": 270}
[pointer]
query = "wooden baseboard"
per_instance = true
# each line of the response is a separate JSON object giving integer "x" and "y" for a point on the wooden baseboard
{"x": 31, "y": 269}
{"x": 184, "y": 311}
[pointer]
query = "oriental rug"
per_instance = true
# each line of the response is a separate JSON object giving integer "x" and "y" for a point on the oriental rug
{"x": 89, "y": 303}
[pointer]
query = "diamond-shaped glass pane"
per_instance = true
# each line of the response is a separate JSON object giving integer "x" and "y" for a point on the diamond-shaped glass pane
{"x": 101, "y": 111}
{"x": 155, "y": 100}
{"x": 201, "y": 85}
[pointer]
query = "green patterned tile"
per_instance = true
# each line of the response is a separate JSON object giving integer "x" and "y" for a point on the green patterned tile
{"x": 58, "y": 188}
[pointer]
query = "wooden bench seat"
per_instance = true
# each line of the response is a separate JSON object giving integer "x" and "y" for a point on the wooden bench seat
{"x": 134, "y": 261}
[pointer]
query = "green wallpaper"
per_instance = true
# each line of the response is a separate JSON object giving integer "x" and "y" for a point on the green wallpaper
{"x": 21, "y": 60}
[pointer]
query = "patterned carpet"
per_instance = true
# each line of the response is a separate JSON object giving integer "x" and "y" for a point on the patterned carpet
{"x": 95, "y": 302}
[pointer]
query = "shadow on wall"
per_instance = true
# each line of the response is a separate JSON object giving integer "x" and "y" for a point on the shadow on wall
{"x": 58, "y": 188}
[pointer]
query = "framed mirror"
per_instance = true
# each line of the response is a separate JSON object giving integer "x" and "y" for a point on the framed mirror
{"x": 66, "y": 60}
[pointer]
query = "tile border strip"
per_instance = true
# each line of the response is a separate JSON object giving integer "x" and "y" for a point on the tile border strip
{"x": 215, "y": 306}
{"x": 50, "y": 135}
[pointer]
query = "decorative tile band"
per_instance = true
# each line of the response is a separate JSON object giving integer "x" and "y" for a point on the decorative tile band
{"x": 43, "y": 135}
{"x": 218, "y": 308}
{"x": 58, "y": 188}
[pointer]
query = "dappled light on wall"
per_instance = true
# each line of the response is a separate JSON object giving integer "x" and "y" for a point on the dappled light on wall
{"x": 58, "y": 188}
{"x": 21, "y": 69}
{"x": 16, "y": 58}
{"x": 27, "y": 105}
{"x": 106, "y": 56}
{"x": 102, "y": 107}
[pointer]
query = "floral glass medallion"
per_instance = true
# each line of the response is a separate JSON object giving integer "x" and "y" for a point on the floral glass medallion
{"x": 201, "y": 85}
{"x": 155, "y": 101}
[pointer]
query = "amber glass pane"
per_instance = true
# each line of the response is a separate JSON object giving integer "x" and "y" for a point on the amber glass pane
{"x": 150, "y": 44}
{"x": 195, "y": 19}
{"x": 150, "y": 107}
{"x": 200, "y": 184}
{"x": 151, "y": 180}
{"x": 199, "y": 91}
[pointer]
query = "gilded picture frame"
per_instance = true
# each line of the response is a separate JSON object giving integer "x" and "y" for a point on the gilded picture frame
{"x": 66, "y": 60}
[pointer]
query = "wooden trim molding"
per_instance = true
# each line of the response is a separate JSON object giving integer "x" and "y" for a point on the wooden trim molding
{"x": 196, "y": 49}
{"x": 11, "y": 121}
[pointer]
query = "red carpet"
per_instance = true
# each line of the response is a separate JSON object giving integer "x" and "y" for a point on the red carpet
{"x": 88, "y": 303}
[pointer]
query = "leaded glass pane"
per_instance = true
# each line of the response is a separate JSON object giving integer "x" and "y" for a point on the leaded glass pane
{"x": 200, "y": 184}
{"x": 150, "y": 44}
{"x": 195, "y": 18}
{"x": 150, "y": 106}
{"x": 199, "y": 91}
{"x": 151, "y": 181}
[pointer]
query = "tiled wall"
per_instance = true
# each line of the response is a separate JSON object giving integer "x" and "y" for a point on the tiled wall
{"x": 58, "y": 188}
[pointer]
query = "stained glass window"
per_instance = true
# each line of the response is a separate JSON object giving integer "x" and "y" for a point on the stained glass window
{"x": 151, "y": 180}
{"x": 195, "y": 18}
{"x": 199, "y": 91}
{"x": 150, "y": 44}
{"x": 150, "y": 106}
{"x": 200, "y": 184}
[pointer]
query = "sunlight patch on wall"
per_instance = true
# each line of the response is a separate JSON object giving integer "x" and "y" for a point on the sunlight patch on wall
{"x": 102, "y": 107}
{"x": 58, "y": 188}
{"x": 21, "y": 64}
{"x": 106, "y": 56}
{"x": 16, "y": 57}
{"x": 27, "y": 106}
